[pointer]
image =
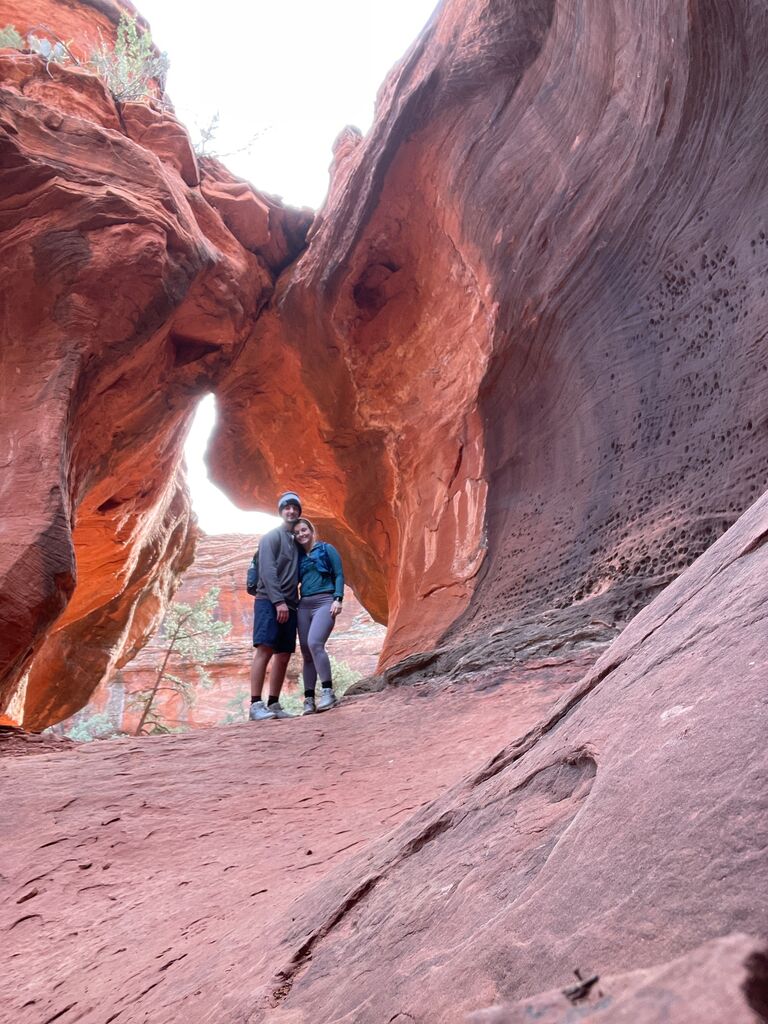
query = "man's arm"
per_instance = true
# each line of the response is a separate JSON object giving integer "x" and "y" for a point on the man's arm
{"x": 268, "y": 553}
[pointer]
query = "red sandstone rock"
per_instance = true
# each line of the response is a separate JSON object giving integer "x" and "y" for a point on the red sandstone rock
{"x": 146, "y": 877}
{"x": 123, "y": 296}
{"x": 527, "y": 341}
{"x": 624, "y": 830}
{"x": 82, "y": 25}
{"x": 723, "y": 980}
{"x": 615, "y": 832}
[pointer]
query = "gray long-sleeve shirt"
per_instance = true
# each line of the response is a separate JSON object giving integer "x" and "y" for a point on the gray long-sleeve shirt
{"x": 279, "y": 567}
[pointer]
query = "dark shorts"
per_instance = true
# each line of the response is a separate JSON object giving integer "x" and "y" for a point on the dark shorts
{"x": 280, "y": 636}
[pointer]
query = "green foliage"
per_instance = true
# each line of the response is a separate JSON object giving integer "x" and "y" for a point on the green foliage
{"x": 56, "y": 52}
{"x": 10, "y": 39}
{"x": 129, "y": 67}
{"x": 95, "y": 727}
{"x": 189, "y": 633}
{"x": 343, "y": 676}
{"x": 237, "y": 708}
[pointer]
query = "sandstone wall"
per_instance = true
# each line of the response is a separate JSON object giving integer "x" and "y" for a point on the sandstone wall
{"x": 523, "y": 357}
{"x": 532, "y": 318}
{"x": 123, "y": 295}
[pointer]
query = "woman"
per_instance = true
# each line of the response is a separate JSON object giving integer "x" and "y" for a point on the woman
{"x": 322, "y": 591}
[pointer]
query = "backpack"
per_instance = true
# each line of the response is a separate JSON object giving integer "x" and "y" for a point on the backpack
{"x": 252, "y": 576}
{"x": 321, "y": 560}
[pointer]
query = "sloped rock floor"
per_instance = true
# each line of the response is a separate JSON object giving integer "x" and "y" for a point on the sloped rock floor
{"x": 143, "y": 880}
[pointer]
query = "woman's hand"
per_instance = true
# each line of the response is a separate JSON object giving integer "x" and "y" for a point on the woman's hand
{"x": 335, "y": 608}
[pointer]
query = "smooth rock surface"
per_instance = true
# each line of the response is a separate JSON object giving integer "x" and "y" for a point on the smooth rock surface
{"x": 146, "y": 879}
{"x": 723, "y": 980}
{"x": 628, "y": 827}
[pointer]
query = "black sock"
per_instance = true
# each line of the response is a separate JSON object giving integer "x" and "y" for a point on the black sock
{"x": 254, "y": 699}
{"x": 327, "y": 686}
{"x": 309, "y": 693}
{"x": 271, "y": 701}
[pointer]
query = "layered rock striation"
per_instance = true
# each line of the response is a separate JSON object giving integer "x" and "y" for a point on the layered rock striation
{"x": 519, "y": 373}
{"x": 123, "y": 296}
{"x": 525, "y": 348}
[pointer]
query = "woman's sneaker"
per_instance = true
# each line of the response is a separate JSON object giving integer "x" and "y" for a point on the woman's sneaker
{"x": 327, "y": 701}
{"x": 309, "y": 706}
{"x": 260, "y": 712}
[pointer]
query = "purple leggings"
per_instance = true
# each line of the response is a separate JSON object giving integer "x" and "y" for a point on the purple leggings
{"x": 315, "y": 625}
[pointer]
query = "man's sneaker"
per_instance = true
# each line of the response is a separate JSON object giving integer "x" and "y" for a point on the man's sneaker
{"x": 260, "y": 712}
{"x": 327, "y": 701}
{"x": 279, "y": 712}
{"x": 309, "y": 706}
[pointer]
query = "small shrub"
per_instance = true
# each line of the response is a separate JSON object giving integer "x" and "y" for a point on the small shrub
{"x": 58, "y": 53}
{"x": 10, "y": 39}
{"x": 129, "y": 67}
{"x": 96, "y": 727}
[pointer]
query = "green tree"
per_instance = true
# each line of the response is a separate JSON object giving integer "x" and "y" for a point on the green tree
{"x": 189, "y": 633}
{"x": 132, "y": 64}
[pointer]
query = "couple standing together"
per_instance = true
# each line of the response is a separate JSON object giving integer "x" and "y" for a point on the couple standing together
{"x": 288, "y": 556}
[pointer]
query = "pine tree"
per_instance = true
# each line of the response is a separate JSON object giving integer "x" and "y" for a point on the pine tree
{"x": 189, "y": 633}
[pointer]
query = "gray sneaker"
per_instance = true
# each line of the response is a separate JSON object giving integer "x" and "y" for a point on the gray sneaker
{"x": 327, "y": 701}
{"x": 279, "y": 712}
{"x": 260, "y": 712}
{"x": 309, "y": 706}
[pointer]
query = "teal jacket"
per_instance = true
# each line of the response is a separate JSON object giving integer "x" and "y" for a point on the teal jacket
{"x": 320, "y": 571}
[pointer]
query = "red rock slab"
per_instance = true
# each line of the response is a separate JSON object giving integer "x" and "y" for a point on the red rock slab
{"x": 526, "y": 345}
{"x": 147, "y": 879}
{"x": 723, "y": 980}
{"x": 123, "y": 296}
{"x": 625, "y": 829}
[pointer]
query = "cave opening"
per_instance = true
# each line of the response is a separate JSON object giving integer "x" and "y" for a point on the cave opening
{"x": 216, "y": 513}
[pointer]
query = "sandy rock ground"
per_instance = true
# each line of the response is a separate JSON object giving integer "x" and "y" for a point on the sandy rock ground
{"x": 142, "y": 880}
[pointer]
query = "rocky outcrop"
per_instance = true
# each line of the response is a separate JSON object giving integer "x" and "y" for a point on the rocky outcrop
{"x": 525, "y": 349}
{"x": 221, "y": 562}
{"x": 619, "y": 829}
{"x": 123, "y": 296}
{"x": 625, "y": 829}
{"x": 723, "y": 980}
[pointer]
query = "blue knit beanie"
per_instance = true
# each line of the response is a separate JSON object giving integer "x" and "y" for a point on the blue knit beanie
{"x": 289, "y": 498}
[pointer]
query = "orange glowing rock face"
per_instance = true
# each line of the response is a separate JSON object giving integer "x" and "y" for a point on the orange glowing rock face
{"x": 518, "y": 372}
{"x": 124, "y": 295}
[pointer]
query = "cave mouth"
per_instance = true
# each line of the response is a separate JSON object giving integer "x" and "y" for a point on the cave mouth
{"x": 216, "y": 513}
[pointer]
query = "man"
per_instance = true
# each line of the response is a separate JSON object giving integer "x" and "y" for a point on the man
{"x": 274, "y": 611}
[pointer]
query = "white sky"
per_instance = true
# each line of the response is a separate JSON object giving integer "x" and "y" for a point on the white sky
{"x": 285, "y": 77}
{"x": 296, "y": 71}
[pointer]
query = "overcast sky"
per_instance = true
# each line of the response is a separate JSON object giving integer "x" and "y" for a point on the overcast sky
{"x": 284, "y": 77}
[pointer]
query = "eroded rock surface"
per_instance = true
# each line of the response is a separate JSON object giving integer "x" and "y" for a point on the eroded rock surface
{"x": 526, "y": 345}
{"x": 625, "y": 829}
{"x": 168, "y": 863}
{"x": 249, "y": 874}
{"x": 123, "y": 296}
{"x": 723, "y": 980}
